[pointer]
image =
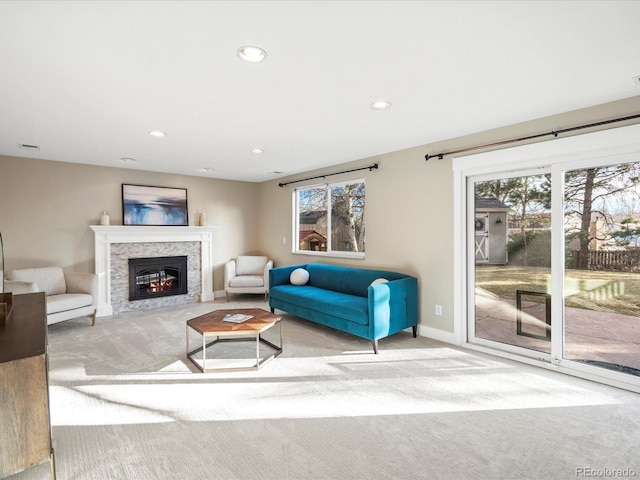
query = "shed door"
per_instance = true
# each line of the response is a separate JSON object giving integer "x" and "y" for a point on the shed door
{"x": 482, "y": 238}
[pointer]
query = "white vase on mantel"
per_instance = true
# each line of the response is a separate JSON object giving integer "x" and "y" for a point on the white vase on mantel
{"x": 203, "y": 219}
{"x": 104, "y": 218}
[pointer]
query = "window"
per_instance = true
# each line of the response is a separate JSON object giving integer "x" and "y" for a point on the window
{"x": 330, "y": 219}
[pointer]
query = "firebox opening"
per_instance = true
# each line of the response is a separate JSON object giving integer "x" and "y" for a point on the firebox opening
{"x": 157, "y": 277}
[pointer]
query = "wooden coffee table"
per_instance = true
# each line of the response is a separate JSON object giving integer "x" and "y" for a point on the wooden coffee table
{"x": 212, "y": 325}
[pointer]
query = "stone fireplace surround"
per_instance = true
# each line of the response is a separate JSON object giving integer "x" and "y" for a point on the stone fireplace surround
{"x": 139, "y": 241}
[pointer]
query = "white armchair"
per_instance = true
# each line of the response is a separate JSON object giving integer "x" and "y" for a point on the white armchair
{"x": 247, "y": 274}
{"x": 68, "y": 294}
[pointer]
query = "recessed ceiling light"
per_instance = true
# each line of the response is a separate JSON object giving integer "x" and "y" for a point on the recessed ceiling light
{"x": 257, "y": 151}
{"x": 127, "y": 160}
{"x": 208, "y": 169}
{"x": 252, "y": 54}
{"x": 380, "y": 105}
{"x": 157, "y": 133}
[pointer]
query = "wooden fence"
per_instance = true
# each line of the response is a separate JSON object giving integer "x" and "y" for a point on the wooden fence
{"x": 617, "y": 260}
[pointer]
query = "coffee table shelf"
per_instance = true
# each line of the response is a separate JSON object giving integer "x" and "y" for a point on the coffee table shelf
{"x": 214, "y": 330}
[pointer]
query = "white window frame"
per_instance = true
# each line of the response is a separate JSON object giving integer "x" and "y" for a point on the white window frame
{"x": 295, "y": 244}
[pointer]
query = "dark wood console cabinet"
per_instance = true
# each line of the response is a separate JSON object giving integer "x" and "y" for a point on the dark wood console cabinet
{"x": 25, "y": 427}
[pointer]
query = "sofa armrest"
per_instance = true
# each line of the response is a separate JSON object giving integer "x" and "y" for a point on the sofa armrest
{"x": 229, "y": 272}
{"x": 82, "y": 282}
{"x": 393, "y": 306}
{"x": 280, "y": 275}
{"x": 17, "y": 287}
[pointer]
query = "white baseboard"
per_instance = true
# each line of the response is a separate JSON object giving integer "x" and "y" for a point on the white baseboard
{"x": 437, "y": 334}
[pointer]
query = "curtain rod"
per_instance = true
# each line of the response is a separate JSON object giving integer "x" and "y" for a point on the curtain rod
{"x": 370, "y": 168}
{"x": 555, "y": 133}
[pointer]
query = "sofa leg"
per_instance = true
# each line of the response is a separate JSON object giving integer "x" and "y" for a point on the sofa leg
{"x": 273, "y": 310}
{"x": 375, "y": 346}
{"x": 227, "y": 294}
{"x": 415, "y": 331}
{"x": 93, "y": 320}
{"x": 266, "y": 296}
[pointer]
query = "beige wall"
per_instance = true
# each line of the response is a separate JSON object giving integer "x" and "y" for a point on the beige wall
{"x": 47, "y": 207}
{"x": 409, "y": 211}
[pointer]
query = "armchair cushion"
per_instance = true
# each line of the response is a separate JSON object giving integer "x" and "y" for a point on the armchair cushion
{"x": 50, "y": 280}
{"x": 247, "y": 281}
{"x": 68, "y": 301}
{"x": 250, "y": 265}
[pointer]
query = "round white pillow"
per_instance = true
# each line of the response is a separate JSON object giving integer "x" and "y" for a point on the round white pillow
{"x": 299, "y": 277}
{"x": 378, "y": 281}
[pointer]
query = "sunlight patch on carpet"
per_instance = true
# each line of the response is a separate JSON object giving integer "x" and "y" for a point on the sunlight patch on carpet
{"x": 396, "y": 382}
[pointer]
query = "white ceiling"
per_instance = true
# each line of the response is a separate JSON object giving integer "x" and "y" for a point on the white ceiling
{"x": 87, "y": 80}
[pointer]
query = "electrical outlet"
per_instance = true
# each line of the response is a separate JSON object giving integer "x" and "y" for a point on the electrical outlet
{"x": 438, "y": 309}
{"x": 284, "y": 240}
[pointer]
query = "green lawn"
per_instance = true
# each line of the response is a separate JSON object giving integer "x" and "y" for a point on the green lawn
{"x": 616, "y": 292}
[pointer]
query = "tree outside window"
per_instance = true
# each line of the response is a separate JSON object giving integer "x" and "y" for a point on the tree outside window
{"x": 330, "y": 218}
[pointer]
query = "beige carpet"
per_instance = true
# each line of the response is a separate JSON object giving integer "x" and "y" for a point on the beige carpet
{"x": 126, "y": 404}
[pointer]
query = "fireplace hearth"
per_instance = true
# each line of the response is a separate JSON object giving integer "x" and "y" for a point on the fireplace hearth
{"x": 157, "y": 277}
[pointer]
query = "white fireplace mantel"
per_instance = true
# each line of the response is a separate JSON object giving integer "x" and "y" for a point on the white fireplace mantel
{"x": 106, "y": 235}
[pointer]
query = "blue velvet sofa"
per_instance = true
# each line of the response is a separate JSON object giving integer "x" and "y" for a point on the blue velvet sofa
{"x": 345, "y": 299}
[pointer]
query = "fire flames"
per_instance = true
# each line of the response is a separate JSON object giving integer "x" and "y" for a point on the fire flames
{"x": 157, "y": 287}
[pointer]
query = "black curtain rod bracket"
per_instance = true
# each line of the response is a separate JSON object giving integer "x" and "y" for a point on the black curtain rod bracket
{"x": 370, "y": 168}
{"x": 555, "y": 134}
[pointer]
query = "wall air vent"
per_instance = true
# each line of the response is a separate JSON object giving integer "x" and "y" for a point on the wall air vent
{"x": 636, "y": 80}
{"x": 27, "y": 146}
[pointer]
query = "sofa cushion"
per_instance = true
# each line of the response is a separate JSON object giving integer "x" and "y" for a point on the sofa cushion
{"x": 350, "y": 280}
{"x": 247, "y": 281}
{"x": 349, "y": 307}
{"x": 250, "y": 265}
{"x": 49, "y": 279}
{"x": 67, "y": 301}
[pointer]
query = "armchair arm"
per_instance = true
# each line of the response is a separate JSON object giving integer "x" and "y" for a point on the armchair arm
{"x": 17, "y": 287}
{"x": 229, "y": 272}
{"x": 268, "y": 266}
{"x": 82, "y": 282}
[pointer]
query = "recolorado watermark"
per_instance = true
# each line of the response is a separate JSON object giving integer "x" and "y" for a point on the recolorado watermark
{"x": 606, "y": 472}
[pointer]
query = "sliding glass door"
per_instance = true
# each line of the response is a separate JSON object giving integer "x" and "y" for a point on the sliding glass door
{"x": 511, "y": 271}
{"x": 553, "y": 264}
{"x": 602, "y": 266}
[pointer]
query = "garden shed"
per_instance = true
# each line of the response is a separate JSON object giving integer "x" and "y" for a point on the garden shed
{"x": 491, "y": 231}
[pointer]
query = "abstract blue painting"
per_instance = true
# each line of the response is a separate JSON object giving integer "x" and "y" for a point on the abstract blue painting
{"x": 146, "y": 205}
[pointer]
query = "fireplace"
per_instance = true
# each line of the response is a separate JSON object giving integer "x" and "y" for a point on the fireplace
{"x": 157, "y": 277}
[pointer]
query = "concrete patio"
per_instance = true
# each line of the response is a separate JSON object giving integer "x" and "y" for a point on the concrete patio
{"x": 607, "y": 339}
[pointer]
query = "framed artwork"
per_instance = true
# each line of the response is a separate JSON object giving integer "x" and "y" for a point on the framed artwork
{"x": 147, "y": 205}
